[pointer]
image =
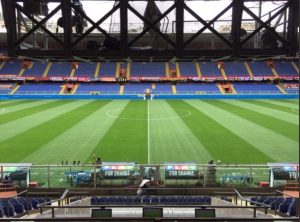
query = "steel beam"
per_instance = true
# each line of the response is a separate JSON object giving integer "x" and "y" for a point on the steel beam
{"x": 124, "y": 27}
{"x": 10, "y": 24}
{"x": 151, "y": 25}
{"x": 38, "y": 24}
{"x": 220, "y": 36}
{"x": 207, "y": 24}
{"x": 67, "y": 25}
{"x": 179, "y": 27}
{"x": 96, "y": 25}
{"x": 236, "y": 22}
{"x": 265, "y": 24}
{"x": 293, "y": 26}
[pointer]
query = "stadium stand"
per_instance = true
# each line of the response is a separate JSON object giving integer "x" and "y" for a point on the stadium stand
{"x": 93, "y": 88}
{"x": 134, "y": 88}
{"x": 45, "y": 88}
{"x": 256, "y": 88}
{"x": 285, "y": 69}
{"x": 154, "y": 69}
{"x": 35, "y": 70}
{"x": 236, "y": 69}
{"x": 162, "y": 88}
{"x": 60, "y": 69}
{"x": 197, "y": 88}
{"x": 107, "y": 70}
{"x": 188, "y": 69}
{"x": 11, "y": 68}
{"x": 210, "y": 69}
{"x": 85, "y": 69}
{"x": 291, "y": 88}
{"x": 5, "y": 88}
{"x": 260, "y": 69}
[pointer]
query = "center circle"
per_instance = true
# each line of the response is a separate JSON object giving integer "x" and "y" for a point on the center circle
{"x": 182, "y": 114}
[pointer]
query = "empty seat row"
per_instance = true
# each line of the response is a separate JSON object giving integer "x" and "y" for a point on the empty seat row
{"x": 168, "y": 200}
{"x": 11, "y": 207}
{"x": 283, "y": 205}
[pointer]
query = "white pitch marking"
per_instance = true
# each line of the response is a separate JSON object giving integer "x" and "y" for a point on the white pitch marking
{"x": 2, "y": 110}
{"x": 148, "y": 132}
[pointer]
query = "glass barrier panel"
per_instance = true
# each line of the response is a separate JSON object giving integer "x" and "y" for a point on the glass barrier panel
{"x": 38, "y": 176}
{"x": 222, "y": 176}
{"x": 261, "y": 176}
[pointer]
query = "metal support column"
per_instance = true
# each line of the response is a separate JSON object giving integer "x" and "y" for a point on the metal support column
{"x": 179, "y": 27}
{"x": 237, "y": 12}
{"x": 293, "y": 25}
{"x": 66, "y": 11}
{"x": 10, "y": 24}
{"x": 124, "y": 27}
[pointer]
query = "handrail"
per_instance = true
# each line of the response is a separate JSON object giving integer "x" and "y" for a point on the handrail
{"x": 18, "y": 194}
{"x": 280, "y": 192}
{"x": 64, "y": 194}
{"x": 250, "y": 201}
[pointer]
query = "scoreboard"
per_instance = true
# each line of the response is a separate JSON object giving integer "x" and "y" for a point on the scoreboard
{"x": 181, "y": 171}
{"x": 117, "y": 170}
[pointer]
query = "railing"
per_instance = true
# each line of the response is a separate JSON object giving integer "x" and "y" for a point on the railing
{"x": 149, "y": 219}
{"x": 180, "y": 92}
{"x": 43, "y": 205}
{"x": 224, "y": 175}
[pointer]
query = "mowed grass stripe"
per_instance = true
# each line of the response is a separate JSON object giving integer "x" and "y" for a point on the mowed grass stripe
{"x": 272, "y": 144}
{"x": 18, "y": 147}
{"x": 284, "y": 104}
{"x": 221, "y": 143}
{"x": 78, "y": 142}
{"x": 292, "y": 101}
{"x": 127, "y": 138}
{"x": 18, "y": 126}
{"x": 23, "y": 106}
{"x": 7, "y": 117}
{"x": 4, "y": 102}
{"x": 285, "y": 110}
{"x": 261, "y": 116}
{"x": 170, "y": 139}
{"x": 14, "y": 103}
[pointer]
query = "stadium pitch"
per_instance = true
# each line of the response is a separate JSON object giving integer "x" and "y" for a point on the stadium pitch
{"x": 233, "y": 131}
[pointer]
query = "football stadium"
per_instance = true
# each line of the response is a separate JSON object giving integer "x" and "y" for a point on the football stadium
{"x": 148, "y": 110}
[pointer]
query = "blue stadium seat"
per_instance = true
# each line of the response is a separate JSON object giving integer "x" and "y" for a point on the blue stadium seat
{"x": 94, "y": 200}
{"x": 207, "y": 200}
{"x": 19, "y": 208}
{"x": 253, "y": 199}
{"x": 155, "y": 200}
{"x": 260, "y": 200}
{"x": 9, "y": 211}
{"x": 146, "y": 200}
{"x": 1, "y": 212}
{"x": 34, "y": 203}
{"x": 284, "y": 205}
{"x": 276, "y": 203}
{"x": 292, "y": 211}
{"x": 269, "y": 200}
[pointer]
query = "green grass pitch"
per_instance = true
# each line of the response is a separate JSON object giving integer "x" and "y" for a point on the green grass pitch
{"x": 233, "y": 131}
